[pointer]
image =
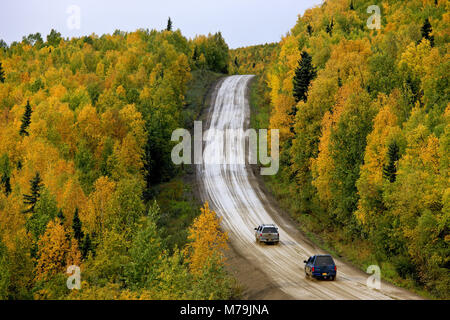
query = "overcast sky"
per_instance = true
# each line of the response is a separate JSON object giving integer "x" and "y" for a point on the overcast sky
{"x": 242, "y": 22}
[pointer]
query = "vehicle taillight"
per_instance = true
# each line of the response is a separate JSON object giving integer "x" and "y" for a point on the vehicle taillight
{"x": 260, "y": 234}
{"x": 335, "y": 268}
{"x": 312, "y": 269}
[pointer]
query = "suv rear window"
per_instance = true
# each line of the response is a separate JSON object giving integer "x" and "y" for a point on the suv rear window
{"x": 270, "y": 230}
{"x": 324, "y": 261}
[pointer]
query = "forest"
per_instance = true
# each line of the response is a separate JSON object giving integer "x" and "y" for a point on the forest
{"x": 364, "y": 118}
{"x": 86, "y": 176}
{"x": 85, "y": 127}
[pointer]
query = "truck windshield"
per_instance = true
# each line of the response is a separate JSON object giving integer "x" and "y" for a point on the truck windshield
{"x": 270, "y": 230}
{"x": 324, "y": 261}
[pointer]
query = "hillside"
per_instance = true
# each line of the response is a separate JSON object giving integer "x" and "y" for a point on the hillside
{"x": 85, "y": 128}
{"x": 87, "y": 178}
{"x": 364, "y": 122}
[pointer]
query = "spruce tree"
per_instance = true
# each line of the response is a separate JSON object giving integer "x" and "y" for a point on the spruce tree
{"x": 32, "y": 199}
{"x": 309, "y": 29}
{"x": 2, "y": 74}
{"x": 390, "y": 170}
{"x": 54, "y": 38}
{"x": 7, "y": 184}
{"x": 61, "y": 216}
{"x": 195, "y": 55}
{"x": 26, "y": 120}
{"x": 76, "y": 226}
{"x": 5, "y": 173}
{"x": 352, "y": 7}
{"x": 86, "y": 246}
{"x": 169, "y": 25}
{"x": 339, "y": 78}
{"x": 304, "y": 74}
{"x": 329, "y": 28}
{"x": 426, "y": 32}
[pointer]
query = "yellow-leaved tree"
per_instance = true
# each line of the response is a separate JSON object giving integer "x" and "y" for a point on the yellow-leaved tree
{"x": 370, "y": 183}
{"x": 207, "y": 241}
{"x": 55, "y": 251}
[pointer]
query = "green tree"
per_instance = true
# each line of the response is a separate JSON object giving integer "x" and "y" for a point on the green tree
{"x": 330, "y": 27}
{"x": 26, "y": 120}
{"x": 390, "y": 170}
{"x": 347, "y": 146}
{"x": 158, "y": 166}
{"x": 426, "y": 32}
{"x": 127, "y": 205}
{"x": 54, "y": 38}
{"x": 4, "y": 272}
{"x": 216, "y": 52}
{"x": 5, "y": 172}
{"x": 3, "y": 45}
{"x": 174, "y": 277}
{"x": 34, "y": 39}
{"x": 85, "y": 162}
{"x": 2, "y": 74}
{"x": 86, "y": 246}
{"x": 304, "y": 74}
{"x": 195, "y": 55}
{"x": 77, "y": 227}
{"x": 46, "y": 209}
{"x": 21, "y": 267}
{"x": 144, "y": 253}
{"x": 33, "y": 197}
{"x": 7, "y": 184}
{"x": 169, "y": 25}
{"x": 214, "y": 282}
{"x": 111, "y": 258}
{"x": 61, "y": 216}
{"x": 309, "y": 29}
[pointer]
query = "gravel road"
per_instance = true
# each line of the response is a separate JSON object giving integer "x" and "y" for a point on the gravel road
{"x": 234, "y": 192}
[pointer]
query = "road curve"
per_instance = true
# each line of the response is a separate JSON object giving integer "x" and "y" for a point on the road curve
{"x": 234, "y": 193}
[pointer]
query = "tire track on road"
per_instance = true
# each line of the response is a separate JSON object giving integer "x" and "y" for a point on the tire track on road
{"x": 234, "y": 193}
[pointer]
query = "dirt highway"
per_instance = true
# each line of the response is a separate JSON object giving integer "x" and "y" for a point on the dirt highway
{"x": 233, "y": 191}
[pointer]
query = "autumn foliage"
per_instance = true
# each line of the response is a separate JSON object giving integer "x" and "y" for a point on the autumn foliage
{"x": 364, "y": 153}
{"x": 56, "y": 251}
{"x": 207, "y": 241}
{"x": 85, "y": 127}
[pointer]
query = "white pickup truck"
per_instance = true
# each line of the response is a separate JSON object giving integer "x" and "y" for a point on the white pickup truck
{"x": 267, "y": 233}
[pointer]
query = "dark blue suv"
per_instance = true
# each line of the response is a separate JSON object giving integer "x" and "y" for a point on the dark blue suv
{"x": 321, "y": 266}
